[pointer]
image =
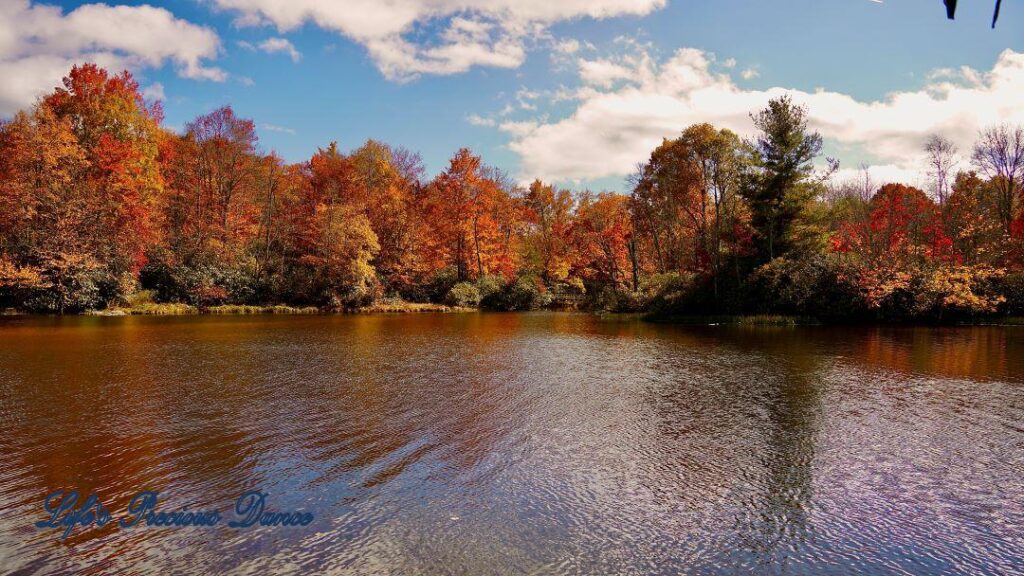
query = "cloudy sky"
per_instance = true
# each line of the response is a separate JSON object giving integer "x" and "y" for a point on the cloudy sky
{"x": 572, "y": 91}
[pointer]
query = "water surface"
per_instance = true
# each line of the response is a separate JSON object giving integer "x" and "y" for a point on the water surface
{"x": 518, "y": 444}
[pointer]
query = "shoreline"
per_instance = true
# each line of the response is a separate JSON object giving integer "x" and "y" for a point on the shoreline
{"x": 762, "y": 320}
{"x": 173, "y": 309}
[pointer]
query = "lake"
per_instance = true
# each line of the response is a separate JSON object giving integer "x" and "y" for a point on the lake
{"x": 517, "y": 444}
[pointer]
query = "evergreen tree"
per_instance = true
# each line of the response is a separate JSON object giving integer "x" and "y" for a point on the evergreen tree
{"x": 779, "y": 182}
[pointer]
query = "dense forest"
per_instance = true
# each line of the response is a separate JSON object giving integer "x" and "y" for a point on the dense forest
{"x": 102, "y": 206}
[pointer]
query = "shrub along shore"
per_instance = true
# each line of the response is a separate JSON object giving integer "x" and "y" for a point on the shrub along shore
{"x": 464, "y": 297}
{"x": 141, "y": 304}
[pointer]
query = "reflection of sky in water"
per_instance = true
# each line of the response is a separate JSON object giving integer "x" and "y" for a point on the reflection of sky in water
{"x": 504, "y": 444}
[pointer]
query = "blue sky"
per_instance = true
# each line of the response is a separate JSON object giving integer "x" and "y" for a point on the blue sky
{"x": 511, "y": 93}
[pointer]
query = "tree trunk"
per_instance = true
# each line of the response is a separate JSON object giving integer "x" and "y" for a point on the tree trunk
{"x": 633, "y": 261}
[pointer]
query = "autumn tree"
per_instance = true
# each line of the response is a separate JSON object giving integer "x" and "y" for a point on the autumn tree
{"x": 901, "y": 242}
{"x": 601, "y": 235}
{"x": 686, "y": 204}
{"x": 902, "y": 229}
{"x": 999, "y": 155}
{"x": 716, "y": 155}
{"x": 548, "y": 213}
{"x": 462, "y": 208}
{"x": 80, "y": 179}
{"x": 214, "y": 212}
{"x": 281, "y": 187}
{"x": 669, "y": 207}
{"x": 120, "y": 135}
{"x": 507, "y": 215}
{"x": 50, "y": 235}
{"x": 223, "y": 168}
{"x": 334, "y": 244}
{"x": 335, "y": 267}
{"x": 388, "y": 181}
{"x": 848, "y": 201}
{"x": 971, "y": 221}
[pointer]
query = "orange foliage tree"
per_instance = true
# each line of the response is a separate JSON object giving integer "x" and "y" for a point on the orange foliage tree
{"x": 80, "y": 178}
{"x": 467, "y": 214}
{"x": 601, "y": 237}
{"x": 548, "y": 215}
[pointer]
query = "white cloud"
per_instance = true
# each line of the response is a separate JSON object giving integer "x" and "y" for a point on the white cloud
{"x": 39, "y": 44}
{"x": 526, "y": 98}
{"x": 568, "y": 46}
{"x": 478, "y": 120}
{"x": 154, "y": 91}
{"x": 519, "y": 129}
{"x": 397, "y": 33}
{"x": 879, "y": 174}
{"x": 272, "y": 45}
{"x": 604, "y": 73}
{"x": 750, "y": 73}
{"x": 279, "y": 129}
{"x": 626, "y": 105}
{"x": 564, "y": 52}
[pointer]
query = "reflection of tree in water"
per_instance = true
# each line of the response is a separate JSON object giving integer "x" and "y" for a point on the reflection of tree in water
{"x": 734, "y": 445}
{"x": 793, "y": 401}
{"x": 773, "y": 504}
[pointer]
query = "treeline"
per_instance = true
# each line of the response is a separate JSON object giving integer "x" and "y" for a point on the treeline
{"x": 100, "y": 204}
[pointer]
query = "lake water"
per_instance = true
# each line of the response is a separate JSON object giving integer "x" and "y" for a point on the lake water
{"x": 517, "y": 444}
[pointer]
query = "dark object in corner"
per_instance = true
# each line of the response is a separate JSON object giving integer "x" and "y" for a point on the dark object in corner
{"x": 951, "y": 10}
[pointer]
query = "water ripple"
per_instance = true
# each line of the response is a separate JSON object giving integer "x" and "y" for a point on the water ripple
{"x": 518, "y": 444}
